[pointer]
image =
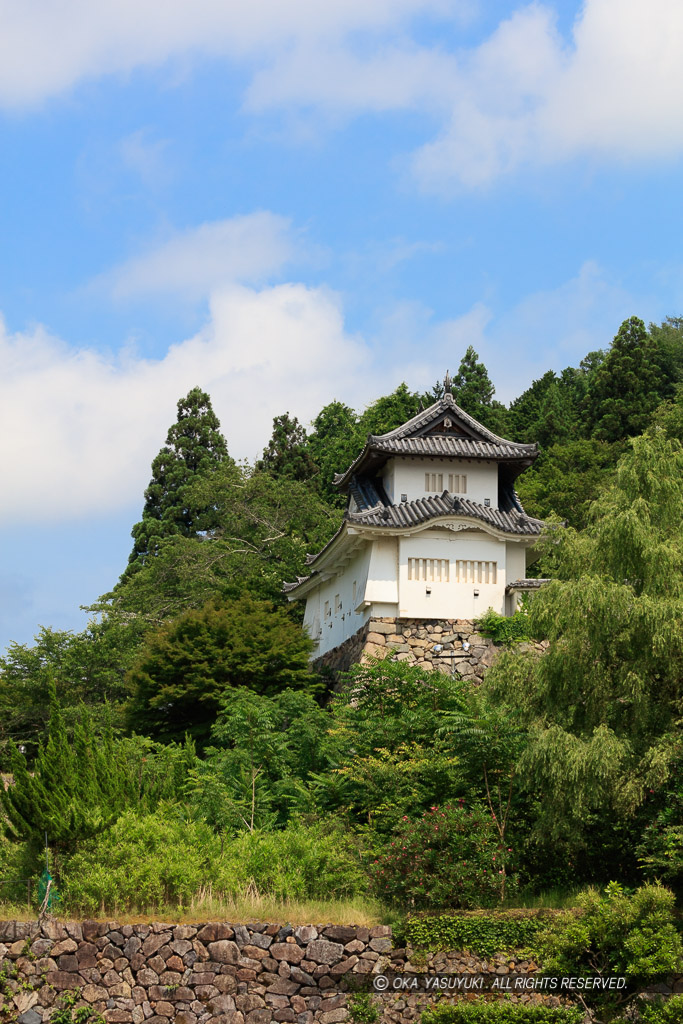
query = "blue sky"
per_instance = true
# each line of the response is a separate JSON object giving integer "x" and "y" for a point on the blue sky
{"x": 288, "y": 202}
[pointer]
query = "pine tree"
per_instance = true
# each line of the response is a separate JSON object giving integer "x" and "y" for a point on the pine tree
{"x": 194, "y": 448}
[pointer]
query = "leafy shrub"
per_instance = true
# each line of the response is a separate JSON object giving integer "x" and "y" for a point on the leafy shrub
{"x": 145, "y": 861}
{"x": 616, "y": 933}
{"x": 505, "y": 629}
{"x": 299, "y": 862}
{"x": 18, "y": 864}
{"x": 664, "y": 1011}
{"x": 363, "y": 1008}
{"x": 481, "y": 1012}
{"x": 660, "y": 851}
{"x": 483, "y": 934}
{"x": 451, "y": 856}
{"x": 161, "y": 859}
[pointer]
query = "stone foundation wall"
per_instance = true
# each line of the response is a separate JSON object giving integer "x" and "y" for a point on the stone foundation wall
{"x": 216, "y": 973}
{"x": 464, "y": 652}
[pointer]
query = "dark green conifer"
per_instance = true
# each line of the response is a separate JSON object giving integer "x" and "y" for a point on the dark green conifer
{"x": 78, "y": 786}
{"x": 287, "y": 453}
{"x": 473, "y": 391}
{"x": 628, "y": 386}
{"x": 194, "y": 448}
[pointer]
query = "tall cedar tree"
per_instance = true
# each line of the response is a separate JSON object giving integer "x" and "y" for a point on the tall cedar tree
{"x": 474, "y": 392}
{"x": 629, "y": 385}
{"x": 77, "y": 788}
{"x": 194, "y": 448}
{"x": 287, "y": 453}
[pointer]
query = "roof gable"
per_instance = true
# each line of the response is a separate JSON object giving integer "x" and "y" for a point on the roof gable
{"x": 443, "y": 429}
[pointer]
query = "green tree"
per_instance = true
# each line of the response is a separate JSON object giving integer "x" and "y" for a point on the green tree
{"x": 473, "y": 391}
{"x": 264, "y": 527}
{"x": 566, "y": 478}
{"x": 288, "y": 453}
{"x": 194, "y": 447}
{"x": 388, "y": 412}
{"x": 191, "y": 664}
{"x": 489, "y": 739}
{"x": 335, "y": 441}
{"x": 603, "y": 704}
{"x": 628, "y": 386}
{"x": 385, "y": 756}
{"x": 264, "y": 750}
{"x": 77, "y": 787}
{"x": 87, "y": 668}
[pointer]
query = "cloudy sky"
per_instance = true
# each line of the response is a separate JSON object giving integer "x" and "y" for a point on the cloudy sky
{"x": 289, "y": 201}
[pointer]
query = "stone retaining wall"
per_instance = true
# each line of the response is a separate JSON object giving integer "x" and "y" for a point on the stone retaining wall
{"x": 214, "y": 973}
{"x": 464, "y": 652}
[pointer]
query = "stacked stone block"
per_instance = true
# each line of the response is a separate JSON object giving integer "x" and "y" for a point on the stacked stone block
{"x": 463, "y": 652}
{"x": 215, "y": 973}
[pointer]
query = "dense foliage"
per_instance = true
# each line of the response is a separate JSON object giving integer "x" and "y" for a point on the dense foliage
{"x": 615, "y": 933}
{"x": 449, "y": 856}
{"x": 483, "y": 934}
{"x": 194, "y": 446}
{"x": 560, "y": 771}
{"x": 187, "y": 667}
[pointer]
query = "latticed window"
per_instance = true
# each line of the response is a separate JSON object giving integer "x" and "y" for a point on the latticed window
{"x": 457, "y": 483}
{"x": 434, "y": 570}
{"x": 434, "y": 482}
{"x": 471, "y": 571}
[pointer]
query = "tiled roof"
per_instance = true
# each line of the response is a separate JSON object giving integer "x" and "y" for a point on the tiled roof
{"x": 464, "y": 438}
{"x": 286, "y": 587}
{"x": 527, "y": 584}
{"x": 444, "y": 405}
{"x": 412, "y": 513}
{"x": 462, "y": 447}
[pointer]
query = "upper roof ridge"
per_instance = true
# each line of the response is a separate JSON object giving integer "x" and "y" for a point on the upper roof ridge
{"x": 445, "y": 404}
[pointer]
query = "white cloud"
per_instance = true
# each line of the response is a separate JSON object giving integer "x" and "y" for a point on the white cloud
{"x": 525, "y": 97}
{"x": 392, "y": 78}
{"x": 192, "y": 263}
{"x": 47, "y": 48}
{"x": 78, "y": 430}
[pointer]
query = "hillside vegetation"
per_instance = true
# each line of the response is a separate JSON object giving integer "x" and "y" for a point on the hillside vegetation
{"x": 180, "y": 750}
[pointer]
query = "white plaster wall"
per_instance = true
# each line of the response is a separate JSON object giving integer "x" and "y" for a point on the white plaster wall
{"x": 382, "y": 585}
{"x": 407, "y": 476}
{"x": 516, "y": 562}
{"x": 342, "y": 622}
{"x": 451, "y": 600}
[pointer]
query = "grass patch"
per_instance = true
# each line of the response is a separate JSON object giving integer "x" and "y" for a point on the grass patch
{"x": 251, "y": 906}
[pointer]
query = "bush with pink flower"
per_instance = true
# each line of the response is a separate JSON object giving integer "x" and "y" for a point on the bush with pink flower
{"x": 450, "y": 856}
